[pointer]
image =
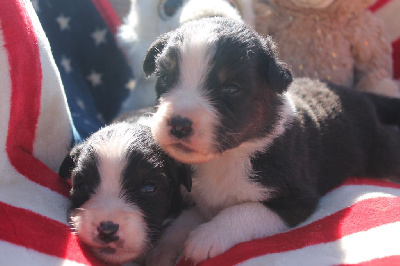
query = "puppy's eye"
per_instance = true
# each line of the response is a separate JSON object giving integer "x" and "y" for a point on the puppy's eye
{"x": 231, "y": 89}
{"x": 84, "y": 188}
{"x": 165, "y": 79}
{"x": 233, "y": 3}
{"x": 148, "y": 188}
{"x": 168, "y": 8}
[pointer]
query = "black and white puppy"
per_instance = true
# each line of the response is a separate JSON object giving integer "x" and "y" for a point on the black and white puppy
{"x": 264, "y": 149}
{"x": 123, "y": 188}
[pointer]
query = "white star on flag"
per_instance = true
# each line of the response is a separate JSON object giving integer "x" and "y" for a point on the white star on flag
{"x": 95, "y": 78}
{"x": 130, "y": 85}
{"x": 99, "y": 36}
{"x": 63, "y": 22}
{"x": 81, "y": 104}
{"x": 66, "y": 63}
{"x": 100, "y": 117}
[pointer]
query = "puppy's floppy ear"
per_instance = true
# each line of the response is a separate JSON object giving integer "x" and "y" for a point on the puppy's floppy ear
{"x": 180, "y": 173}
{"x": 277, "y": 73}
{"x": 149, "y": 63}
{"x": 69, "y": 162}
{"x": 279, "y": 76}
{"x": 185, "y": 176}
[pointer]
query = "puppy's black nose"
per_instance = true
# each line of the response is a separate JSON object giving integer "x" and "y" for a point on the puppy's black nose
{"x": 181, "y": 127}
{"x": 107, "y": 231}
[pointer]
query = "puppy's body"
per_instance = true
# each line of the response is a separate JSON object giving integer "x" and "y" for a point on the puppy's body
{"x": 263, "y": 151}
{"x": 123, "y": 188}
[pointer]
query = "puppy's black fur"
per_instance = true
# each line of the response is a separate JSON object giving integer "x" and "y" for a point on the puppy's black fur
{"x": 335, "y": 132}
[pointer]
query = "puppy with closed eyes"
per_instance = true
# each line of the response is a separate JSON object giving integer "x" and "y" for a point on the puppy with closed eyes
{"x": 124, "y": 187}
{"x": 263, "y": 148}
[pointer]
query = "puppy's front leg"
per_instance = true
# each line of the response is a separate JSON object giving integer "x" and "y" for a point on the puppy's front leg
{"x": 231, "y": 226}
{"x": 170, "y": 245}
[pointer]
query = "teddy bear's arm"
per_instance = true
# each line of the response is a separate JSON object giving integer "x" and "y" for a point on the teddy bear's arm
{"x": 372, "y": 52}
{"x": 266, "y": 16}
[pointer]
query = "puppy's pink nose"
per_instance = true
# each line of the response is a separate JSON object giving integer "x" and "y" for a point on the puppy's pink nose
{"x": 107, "y": 231}
{"x": 181, "y": 127}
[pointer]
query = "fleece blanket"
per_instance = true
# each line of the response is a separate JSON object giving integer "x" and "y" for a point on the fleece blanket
{"x": 357, "y": 223}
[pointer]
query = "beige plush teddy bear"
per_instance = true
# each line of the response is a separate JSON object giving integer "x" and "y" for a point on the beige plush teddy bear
{"x": 333, "y": 40}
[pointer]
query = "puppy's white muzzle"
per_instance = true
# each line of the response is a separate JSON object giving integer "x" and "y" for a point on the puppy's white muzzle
{"x": 184, "y": 127}
{"x": 115, "y": 235}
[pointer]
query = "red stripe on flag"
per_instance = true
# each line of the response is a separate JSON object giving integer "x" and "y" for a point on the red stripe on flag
{"x": 370, "y": 182}
{"x": 378, "y": 5}
{"x": 108, "y": 13}
{"x": 21, "y": 44}
{"x": 396, "y": 58}
{"x": 362, "y": 216}
{"x": 386, "y": 261}
{"x": 33, "y": 231}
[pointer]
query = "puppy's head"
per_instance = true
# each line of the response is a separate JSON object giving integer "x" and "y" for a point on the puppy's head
{"x": 219, "y": 84}
{"x": 123, "y": 187}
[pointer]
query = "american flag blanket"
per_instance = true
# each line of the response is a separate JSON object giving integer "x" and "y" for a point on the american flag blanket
{"x": 357, "y": 223}
{"x": 94, "y": 72}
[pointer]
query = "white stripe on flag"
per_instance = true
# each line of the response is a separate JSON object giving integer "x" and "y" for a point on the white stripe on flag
{"x": 359, "y": 247}
{"x": 347, "y": 195}
{"x": 25, "y": 194}
{"x": 14, "y": 255}
{"x": 53, "y": 130}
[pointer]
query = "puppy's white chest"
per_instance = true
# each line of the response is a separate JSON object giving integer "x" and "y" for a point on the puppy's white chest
{"x": 225, "y": 182}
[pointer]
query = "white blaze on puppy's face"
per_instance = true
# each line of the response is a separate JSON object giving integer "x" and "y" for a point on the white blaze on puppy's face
{"x": 107, "y": 204}
{"x": 188, "y": 99}
{"x": 222, "y": 89}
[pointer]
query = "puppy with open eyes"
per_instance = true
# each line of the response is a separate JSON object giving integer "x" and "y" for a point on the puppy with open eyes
{"x": 136, "y": 33}
{"x": 124, "y": 187}
{"x": 263, "y": 149}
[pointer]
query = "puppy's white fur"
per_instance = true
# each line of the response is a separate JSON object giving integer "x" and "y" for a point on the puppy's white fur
{"x": 222, "y": 188}
{"x": 232, "y": 225}
{"x": 188, "y": 98}
{"x": 224, "y": 181}
{"x": 143, "y": 25}
{"x": 107, "y": 204}
{"x": 227, "y": 200}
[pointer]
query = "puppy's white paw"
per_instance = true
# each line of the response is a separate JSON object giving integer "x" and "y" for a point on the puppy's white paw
{"x": 207, "y": 241}
{"x": 233, "y": 225}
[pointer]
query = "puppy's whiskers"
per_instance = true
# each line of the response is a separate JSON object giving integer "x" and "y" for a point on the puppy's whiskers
{"x": 227, "y": 138}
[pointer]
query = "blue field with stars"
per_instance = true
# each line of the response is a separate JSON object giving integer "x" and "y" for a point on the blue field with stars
{"x": 93, "y": 69}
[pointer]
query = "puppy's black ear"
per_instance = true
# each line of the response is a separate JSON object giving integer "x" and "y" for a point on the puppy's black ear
{"x": 69, "y": 162}
{"x": 277, "y": 73}
{"x": 180, "y": 173}
{"x": 279, "y": 76}
{"x": 149, "y": 63}
{"x": 185, "y": 176}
